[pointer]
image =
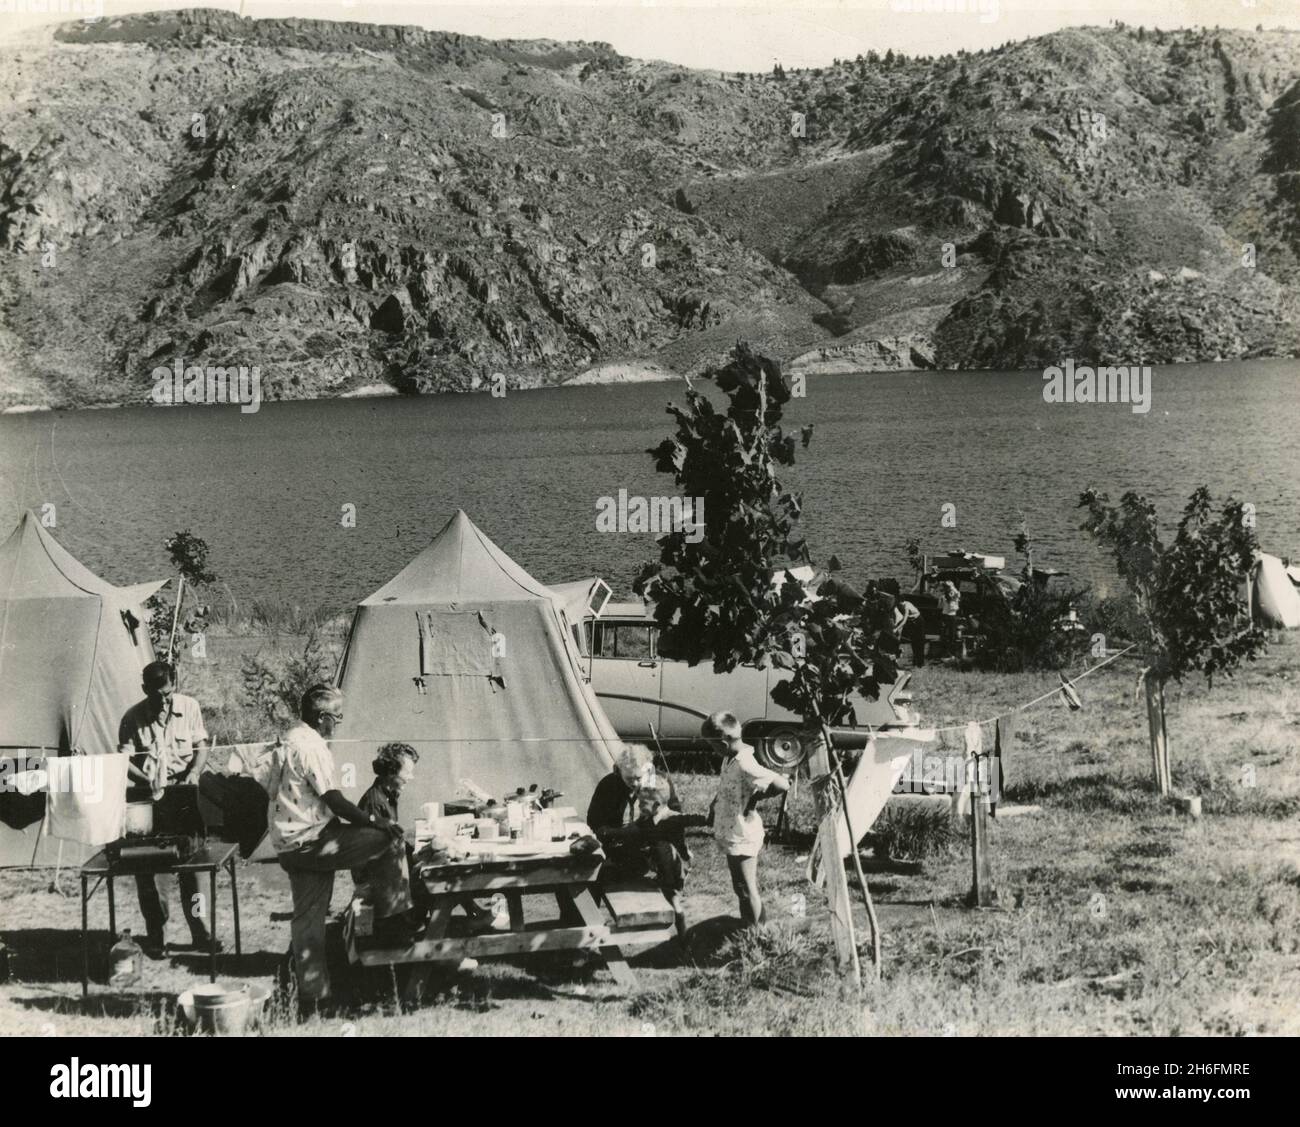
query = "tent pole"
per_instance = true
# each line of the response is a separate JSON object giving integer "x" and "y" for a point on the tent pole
{"x": 58, "y": 868}
{"x": 659, "y": 748}
{"x": 176, "y": 615}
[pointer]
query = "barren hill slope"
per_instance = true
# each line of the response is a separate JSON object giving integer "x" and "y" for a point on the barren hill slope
{"x": 344, "y": 204}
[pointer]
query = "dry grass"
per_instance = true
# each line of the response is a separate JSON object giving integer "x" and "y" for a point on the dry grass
{"x": 1117, "y": 915}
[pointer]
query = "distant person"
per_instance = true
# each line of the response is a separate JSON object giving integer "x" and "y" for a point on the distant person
{"x": 904, "y": 616}
{"x": 738, "y": 829}
{"x": 316, "y": 831}
{"x": 167, "y": 741}
{"x": 908, "y": 625}
{"x": 949, "y": 607}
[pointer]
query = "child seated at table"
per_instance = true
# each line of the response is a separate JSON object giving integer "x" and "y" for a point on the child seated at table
{"x": 658, "y": 836}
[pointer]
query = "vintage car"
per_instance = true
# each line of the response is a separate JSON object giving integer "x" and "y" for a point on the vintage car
{"x": 649, "y": 697}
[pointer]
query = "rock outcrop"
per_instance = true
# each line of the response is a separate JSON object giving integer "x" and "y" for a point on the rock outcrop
{"x": 350, "y": 205}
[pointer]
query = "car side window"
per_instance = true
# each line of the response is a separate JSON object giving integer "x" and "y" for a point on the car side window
{"x": 632, "y": 642}
{"x": 626, "y": 640}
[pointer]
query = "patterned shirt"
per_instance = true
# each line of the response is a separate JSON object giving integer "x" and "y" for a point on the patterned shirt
{"x": 301, "y": 774}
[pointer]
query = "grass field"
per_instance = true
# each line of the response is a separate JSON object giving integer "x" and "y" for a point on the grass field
{"x": 1116, "y": 914}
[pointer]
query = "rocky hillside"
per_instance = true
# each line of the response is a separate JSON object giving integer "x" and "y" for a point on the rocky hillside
{"x": 346, "y": 205}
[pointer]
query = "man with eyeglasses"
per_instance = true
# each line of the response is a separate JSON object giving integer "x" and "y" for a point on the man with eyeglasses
{"x": 316, "y": 831}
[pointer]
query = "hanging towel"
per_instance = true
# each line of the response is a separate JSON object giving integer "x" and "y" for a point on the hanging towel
{"x": 87, "y": 798}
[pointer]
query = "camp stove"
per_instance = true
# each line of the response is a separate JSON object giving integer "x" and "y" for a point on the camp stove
{"x": 146, "y": 851}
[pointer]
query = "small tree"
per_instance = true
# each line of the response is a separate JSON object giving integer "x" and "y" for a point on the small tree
{"x": 189, "y": 556}
{"x": 1187, "y": 593}
{"x": 716, "y": 598}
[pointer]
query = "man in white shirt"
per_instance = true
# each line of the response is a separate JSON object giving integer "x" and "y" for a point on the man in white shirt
{"x": 949, "y": 608}
{"x": 167, "y": 741}
{"x": 316, "y": 831}
{"x": 737, "y": 827}
{"x": 904, "y": 615}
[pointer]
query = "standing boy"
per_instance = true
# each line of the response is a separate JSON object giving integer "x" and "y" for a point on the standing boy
{"x": 742, "y": 783}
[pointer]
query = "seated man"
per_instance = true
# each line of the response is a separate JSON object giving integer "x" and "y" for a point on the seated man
{"x": 634, "y": 850}
{"x": 316, "y": 831}
{"x": 167, "y": 741}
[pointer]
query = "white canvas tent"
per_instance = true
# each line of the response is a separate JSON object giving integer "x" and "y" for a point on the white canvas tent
{"x": 470, "y": 659}
{"x": 72, "y": 648}
{"x": 1274, "y": 599}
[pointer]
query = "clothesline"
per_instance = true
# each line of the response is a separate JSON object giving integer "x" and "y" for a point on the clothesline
{"x": 596, "y": 739}
{"x": 1038, "y": 699}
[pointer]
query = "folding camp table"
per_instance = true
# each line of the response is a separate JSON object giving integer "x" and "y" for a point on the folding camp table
{"x": 567, "y": 878}
{"x": 208, "y": 858}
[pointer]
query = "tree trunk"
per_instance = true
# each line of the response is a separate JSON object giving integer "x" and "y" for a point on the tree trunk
{"x": 872, "y": 922}
{"x": 981, "y": 892}
{"x": 1153, "y": 685}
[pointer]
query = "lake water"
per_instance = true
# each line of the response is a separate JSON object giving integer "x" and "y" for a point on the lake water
{"x": 889, "y": 451}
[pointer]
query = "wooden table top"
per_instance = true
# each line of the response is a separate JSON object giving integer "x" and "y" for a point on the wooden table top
{"x": 512, "y": 871}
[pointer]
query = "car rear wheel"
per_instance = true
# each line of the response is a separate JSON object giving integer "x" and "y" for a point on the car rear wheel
{"x": 782, "y": 749}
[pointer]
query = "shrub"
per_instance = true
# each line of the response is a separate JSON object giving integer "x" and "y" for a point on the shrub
{"x": 274, "y": 686}
{"x": 913, "y": 833}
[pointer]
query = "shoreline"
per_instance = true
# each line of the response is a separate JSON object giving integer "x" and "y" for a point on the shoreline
{"x": 815, "y": 362}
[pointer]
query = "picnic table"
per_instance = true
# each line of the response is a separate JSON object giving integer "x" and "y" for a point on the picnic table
{"x": 210, "y": 858}
{"x": 568, "y": 879}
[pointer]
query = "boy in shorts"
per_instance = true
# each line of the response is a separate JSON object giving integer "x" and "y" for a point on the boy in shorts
{"x": 738, "y": 829}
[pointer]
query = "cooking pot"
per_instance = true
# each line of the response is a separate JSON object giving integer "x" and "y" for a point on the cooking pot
{"x": 139, "y": 818}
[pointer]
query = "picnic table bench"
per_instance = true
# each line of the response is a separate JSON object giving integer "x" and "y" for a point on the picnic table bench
{"x": 640, "y": 916}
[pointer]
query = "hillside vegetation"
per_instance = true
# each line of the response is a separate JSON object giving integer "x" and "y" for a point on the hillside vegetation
{"x": 348, "y": 204}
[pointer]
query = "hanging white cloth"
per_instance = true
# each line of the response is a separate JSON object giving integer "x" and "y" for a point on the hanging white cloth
{"x": 86, "y": 801}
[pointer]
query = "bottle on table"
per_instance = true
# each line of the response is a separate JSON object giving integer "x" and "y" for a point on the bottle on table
{"x": 126, "y": 960}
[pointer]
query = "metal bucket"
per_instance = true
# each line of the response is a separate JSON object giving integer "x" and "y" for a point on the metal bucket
{"x": 223, "y": 1011}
